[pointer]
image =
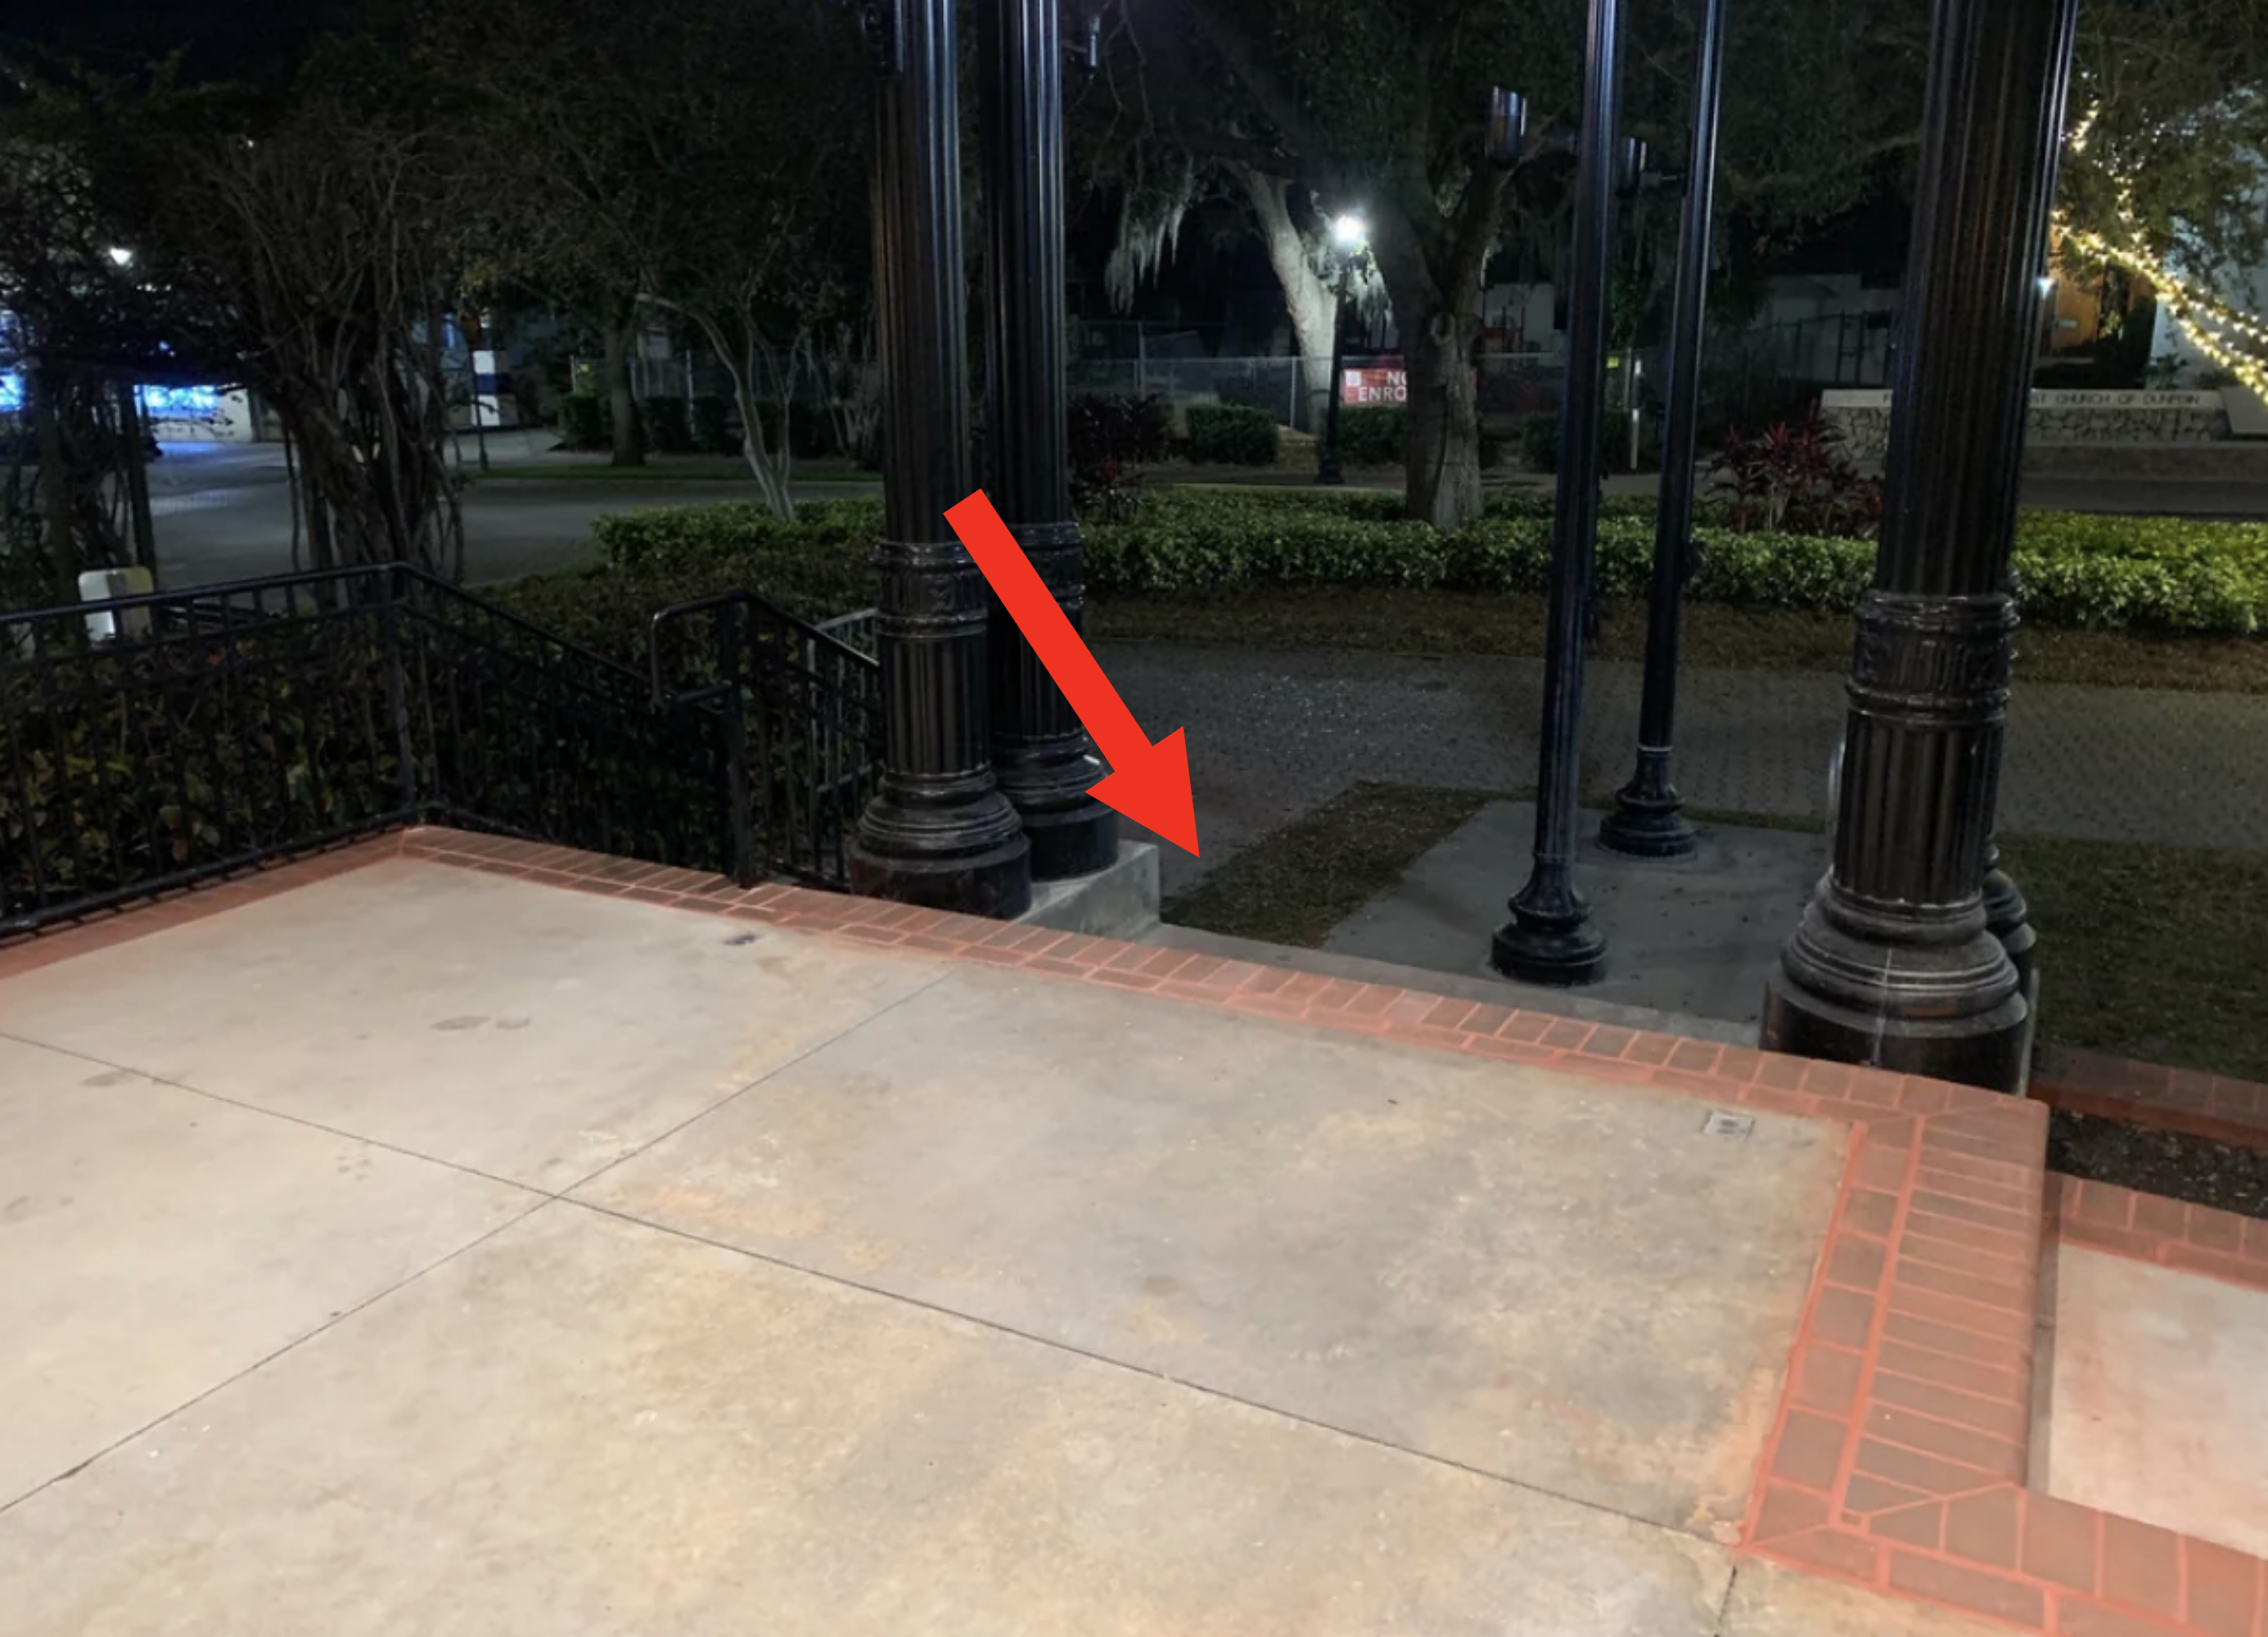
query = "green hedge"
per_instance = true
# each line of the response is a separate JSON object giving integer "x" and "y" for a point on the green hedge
{"x": 2072, "y": 570}
{"x": 816, "y": 567}
{"x": 2154, "y": 573}
{"x": 668, "y": 430}
{"x": 1374, "y": 435}
{"x": 1231, "y": 434}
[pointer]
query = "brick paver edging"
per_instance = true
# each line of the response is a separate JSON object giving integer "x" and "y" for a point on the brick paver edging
{"x": 1898, "y": 1453}
{"x": 2149, "y": 1093}
{"x": 2192, "y": 1238}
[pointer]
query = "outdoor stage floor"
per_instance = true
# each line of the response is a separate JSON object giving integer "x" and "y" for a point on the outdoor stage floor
{"x": 399, "y": 1242}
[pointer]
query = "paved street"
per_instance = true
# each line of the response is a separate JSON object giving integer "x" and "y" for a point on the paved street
{"x": 223, "y": 511}
{"x": 1272, "y": 735}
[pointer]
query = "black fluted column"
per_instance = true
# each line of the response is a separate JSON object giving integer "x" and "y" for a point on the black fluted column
{"x": 938, "y": 832}
{"x": 1649, "y": 820}
{"x": 1551, "y": 939}
{"x": 1039, "y": 749}
{"x": 1895, "y": 962}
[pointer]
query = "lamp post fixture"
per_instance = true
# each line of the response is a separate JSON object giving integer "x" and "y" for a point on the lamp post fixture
{"x": 937, "y": 832}
{"x": 1040, "y": 750}
{"x": 1649, "y": 821}
{"x": 1550, "y": 937}
{"x": 1350, "y": 249}
{"x": 1897, "y": 962}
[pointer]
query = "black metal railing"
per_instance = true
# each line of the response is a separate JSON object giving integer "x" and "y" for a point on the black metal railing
{"x": 147, "y": 742}
{"x": 797, "y": 717}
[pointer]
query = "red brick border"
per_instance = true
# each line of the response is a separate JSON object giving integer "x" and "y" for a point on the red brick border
{"x": 2192, "y": 1238}
{"x": 28, "y": 951}
{"x": 1898, "y": 1455}
{"x": 2188, "y": 1101}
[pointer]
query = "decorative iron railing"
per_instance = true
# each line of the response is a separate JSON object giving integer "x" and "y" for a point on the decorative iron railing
{"x": 150, "y": 741}
{"x": 797, "y": 715}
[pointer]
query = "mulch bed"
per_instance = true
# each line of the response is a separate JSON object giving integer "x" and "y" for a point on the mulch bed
{"x": 2166, "y": 1163}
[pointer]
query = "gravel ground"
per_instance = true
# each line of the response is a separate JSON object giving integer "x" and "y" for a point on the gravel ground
{"x": 2160, "y": 1162}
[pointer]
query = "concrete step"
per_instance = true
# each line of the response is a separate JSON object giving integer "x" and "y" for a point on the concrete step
{"x": 1479, "y": 986}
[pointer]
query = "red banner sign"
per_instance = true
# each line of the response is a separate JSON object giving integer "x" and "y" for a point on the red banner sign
{"x": 1374, "y": 386}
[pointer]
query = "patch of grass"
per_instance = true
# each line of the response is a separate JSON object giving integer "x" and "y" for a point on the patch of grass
{"x": 1394, "y": 620}
{"x": 1296, "y": 883}
{"x": 2148, "y": 952}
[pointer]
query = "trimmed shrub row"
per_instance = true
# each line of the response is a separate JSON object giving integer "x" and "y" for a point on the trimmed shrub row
{"x": 2155, "y": 573}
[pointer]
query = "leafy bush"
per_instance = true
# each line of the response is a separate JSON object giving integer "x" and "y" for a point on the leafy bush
{"x": 2161, "y": 573}
{"x": 1539, "y": 442}
{"x": 1114, "y": 436}
{"x": 667, "y": 430}
{"x": 712, "y": 425}
{"x": 815, "y": 567}
{"x": 1797, "y": 478}
{"x": 1231, "y": 434}
{"x": 1372, "y": 435}
{"x": 584, "y": 421}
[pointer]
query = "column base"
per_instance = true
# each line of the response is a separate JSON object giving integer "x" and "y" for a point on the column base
{"x": 1649, "y": 820}
{"x": 1925, "y": 991}
{"x": 1071, "y": 842}
{"x": 2008, "y": 918}
{"x": 1549, "y": 940}
{"x": 972, "y": 859}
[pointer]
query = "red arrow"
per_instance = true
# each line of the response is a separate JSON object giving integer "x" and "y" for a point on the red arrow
{"x": 1149, "y": 784}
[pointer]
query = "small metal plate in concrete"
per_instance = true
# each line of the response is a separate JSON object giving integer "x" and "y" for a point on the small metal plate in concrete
{"x": 1561, "y": 1282}
{"x": 588, "y": 1427}
{"x": 1697, "y": 936}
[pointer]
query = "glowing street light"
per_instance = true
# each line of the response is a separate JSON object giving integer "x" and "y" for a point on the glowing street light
{"x": 121, "y": 256}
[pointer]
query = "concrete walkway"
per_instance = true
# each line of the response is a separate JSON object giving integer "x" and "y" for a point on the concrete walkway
{"x": 427, "y": 1251}
{"x": 1273, "y": 734}
{"x": 398, "y": 1242}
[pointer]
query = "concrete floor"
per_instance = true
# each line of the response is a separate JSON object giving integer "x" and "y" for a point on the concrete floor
{"x": 2152, "y": 1406}
{"x": 1694, "y": 937}
{"x": 425, "y": 1250}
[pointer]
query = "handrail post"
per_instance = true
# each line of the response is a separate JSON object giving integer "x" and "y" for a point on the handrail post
{"x": 397, "y": 699}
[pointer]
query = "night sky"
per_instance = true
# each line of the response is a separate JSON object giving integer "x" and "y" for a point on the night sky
{"x": 223, "y": 38}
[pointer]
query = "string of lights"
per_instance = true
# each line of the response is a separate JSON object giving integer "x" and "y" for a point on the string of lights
{"x": 2209, "y": 323}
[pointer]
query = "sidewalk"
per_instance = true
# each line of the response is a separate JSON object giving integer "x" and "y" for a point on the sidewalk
{"x": 1273, "y": 734}
{"x": 396, "y": 1241}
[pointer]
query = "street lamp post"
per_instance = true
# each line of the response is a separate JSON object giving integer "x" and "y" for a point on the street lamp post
{"x": 1550, "y": 937}
{"x": 1350, "y": 239}
{"x": 1648, "y": 820}
{"x": 1042, "y": 753}
{"x": 937, "y": 832}
{"x": 1896, "y": 962}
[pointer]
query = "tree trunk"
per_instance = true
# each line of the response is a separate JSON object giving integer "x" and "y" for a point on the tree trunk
{"x": 621, "y": 336}
{"x": 1432, "y": 266}
{"x": 1307, "y": 294}
{"x": 1442, "y": 447}
{"x": 54, "y": 481}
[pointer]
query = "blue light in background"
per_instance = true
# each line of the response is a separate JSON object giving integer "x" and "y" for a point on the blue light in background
{"x": 180, "y": 403}
{"x": 167, "y": 403}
